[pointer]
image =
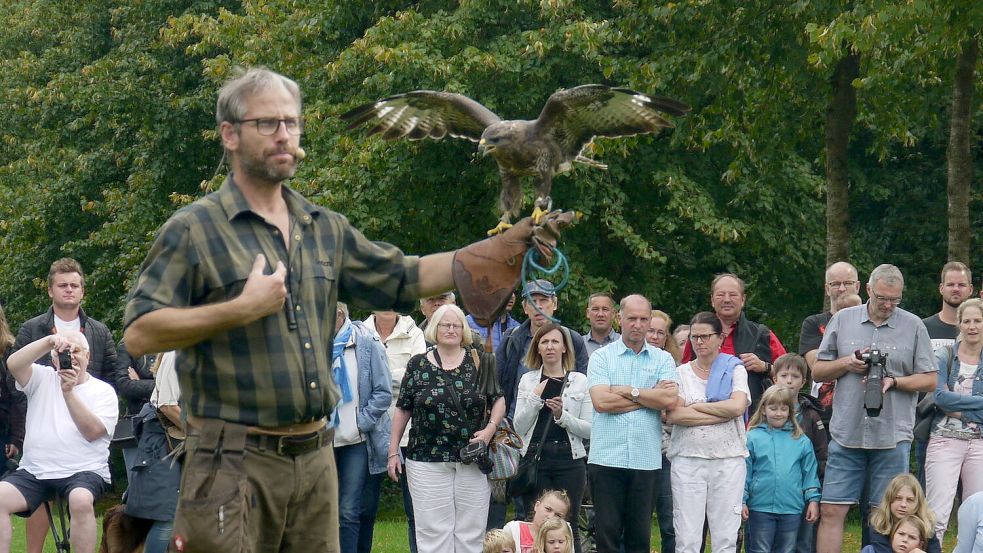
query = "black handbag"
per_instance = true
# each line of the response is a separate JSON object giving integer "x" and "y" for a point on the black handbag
{"x": 123, "y": 435}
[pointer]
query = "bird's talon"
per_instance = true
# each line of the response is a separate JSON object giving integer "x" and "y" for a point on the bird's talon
{"x": 537, "y": 215}
{"x": 501, "y": 227}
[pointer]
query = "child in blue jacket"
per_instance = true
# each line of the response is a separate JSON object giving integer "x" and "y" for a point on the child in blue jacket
{"x": 781, "y": 475}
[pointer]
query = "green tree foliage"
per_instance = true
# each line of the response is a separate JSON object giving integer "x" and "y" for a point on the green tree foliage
{"x": 109, "y": 127}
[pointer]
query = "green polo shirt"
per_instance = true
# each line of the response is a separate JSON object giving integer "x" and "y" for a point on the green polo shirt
{"x": 266, "y": 373}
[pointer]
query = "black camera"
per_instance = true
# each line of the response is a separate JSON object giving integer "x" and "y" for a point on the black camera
{"x": 477, "y": 453}
{"x": 64, "y": 359}
{"x": 876, "y": 362}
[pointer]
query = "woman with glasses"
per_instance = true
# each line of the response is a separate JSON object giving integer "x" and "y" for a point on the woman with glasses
{"x": 708, "y": 441}
{"x": 452, "y": 411}
{"x": 553, "y": 408}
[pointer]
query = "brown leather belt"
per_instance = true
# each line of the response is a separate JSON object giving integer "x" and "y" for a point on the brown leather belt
{"x": 292, "y": 439}
{"x": 292, "y": 444}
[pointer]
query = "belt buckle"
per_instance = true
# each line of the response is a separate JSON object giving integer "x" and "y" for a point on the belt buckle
{"x": 279, "y": 445}
{"x": 304, "y": 443}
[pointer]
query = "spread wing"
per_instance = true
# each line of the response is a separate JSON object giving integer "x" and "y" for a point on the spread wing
{"x": 573, "y": 117}
{"x": 423, "y": 113}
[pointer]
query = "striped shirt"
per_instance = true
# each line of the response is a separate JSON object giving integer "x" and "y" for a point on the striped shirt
{"x": 628, "y": 440}
{"x": 266, "y": 373}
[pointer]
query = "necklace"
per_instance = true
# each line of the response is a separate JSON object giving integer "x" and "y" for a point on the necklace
{"x": 697, "y": 366}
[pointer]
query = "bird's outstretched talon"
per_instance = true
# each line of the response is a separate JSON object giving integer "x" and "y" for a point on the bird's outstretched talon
{"x": 501, "y": 227}
{"x": 538, "y": 214}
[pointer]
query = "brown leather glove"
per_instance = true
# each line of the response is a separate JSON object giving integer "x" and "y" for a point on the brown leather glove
{"x": 487, "y": 272}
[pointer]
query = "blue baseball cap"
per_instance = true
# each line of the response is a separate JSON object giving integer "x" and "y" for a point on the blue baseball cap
{"x": 539, "y": 286}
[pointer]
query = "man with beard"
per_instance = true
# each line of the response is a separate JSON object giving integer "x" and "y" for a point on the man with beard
{"x": 244, "y": 284}
{"x": 956, "y": 286}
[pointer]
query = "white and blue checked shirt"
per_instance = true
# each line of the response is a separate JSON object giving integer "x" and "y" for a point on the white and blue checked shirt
{"x": 628, "y": 440}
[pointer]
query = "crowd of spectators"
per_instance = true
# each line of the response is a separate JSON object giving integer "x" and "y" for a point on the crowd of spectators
{"x": 711, "y": 425}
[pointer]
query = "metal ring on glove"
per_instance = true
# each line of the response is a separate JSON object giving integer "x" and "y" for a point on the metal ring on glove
{"x": 530, "y": 263}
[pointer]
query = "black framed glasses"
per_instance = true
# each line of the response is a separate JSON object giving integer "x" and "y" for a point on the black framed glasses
{"x": 269, "y": 126}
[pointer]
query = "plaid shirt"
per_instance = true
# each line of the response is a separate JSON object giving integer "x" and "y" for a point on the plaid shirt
{"x": 628, "y": 440}
{"x": 263, "y": 373}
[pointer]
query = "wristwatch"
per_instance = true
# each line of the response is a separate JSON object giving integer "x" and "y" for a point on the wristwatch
{"x": 634, "y": 394}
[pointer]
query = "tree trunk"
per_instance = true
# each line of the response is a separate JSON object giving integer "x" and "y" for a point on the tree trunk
{"x": 839, "y": 120}
{"x": 960, "y": 162}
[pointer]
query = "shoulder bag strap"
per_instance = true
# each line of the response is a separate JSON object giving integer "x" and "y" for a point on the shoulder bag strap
{"x": 450, "y": 388}
{"x": 549, "y": 423}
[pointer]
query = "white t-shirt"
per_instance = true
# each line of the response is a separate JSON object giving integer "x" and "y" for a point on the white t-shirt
{"x": 74, "y": 324}
{"x": 714, "y": 441}
{"x": 53, "y": 445}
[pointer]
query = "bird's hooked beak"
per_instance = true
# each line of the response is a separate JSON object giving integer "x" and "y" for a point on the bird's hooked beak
{"x": 484, "y": 148}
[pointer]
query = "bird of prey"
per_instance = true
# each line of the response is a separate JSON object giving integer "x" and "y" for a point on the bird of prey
{"x": 540, "y": 148}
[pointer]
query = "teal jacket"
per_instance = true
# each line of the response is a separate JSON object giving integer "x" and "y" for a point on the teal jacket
{"x": 781, "y": 471}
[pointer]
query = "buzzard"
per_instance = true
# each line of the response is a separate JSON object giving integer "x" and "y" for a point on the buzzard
{"x": 540, "y": 148}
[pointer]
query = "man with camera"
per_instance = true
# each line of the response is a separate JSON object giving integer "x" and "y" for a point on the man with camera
{"x": 70, "y": 417}
{"x": 872, "y": 424}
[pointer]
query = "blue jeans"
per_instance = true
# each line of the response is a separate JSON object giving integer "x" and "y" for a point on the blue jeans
{"x": 159, "y": 536}
{"x": 408, "y": 506}
{"x": 353, "y": 475}
{"x": 370, "y": 506}
{"x": 663, "y": 506}
{"x": 806, "y": 540}
{"x": 770, "y": 533}
{"x": 849, "y": 469}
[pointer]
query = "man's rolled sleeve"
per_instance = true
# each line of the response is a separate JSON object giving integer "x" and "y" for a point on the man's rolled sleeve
{"x": 163, "y": 276}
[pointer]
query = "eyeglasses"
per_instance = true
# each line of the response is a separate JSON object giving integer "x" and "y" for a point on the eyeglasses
{"x": 269, "y": 126}
{"x": 656, "y": 332}
{"x": 448, "y": 326}
{"x": 843, "y": 283}
{"x": 882, "y": 299}
{"x": 701, "y": 337}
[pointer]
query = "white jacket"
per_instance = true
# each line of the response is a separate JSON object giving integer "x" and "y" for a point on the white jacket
{"x": 405, "y": 341}
{"x": 578, "y": 411}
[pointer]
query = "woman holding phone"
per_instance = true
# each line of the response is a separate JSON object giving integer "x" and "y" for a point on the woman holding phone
{"x": 553, "y": 408}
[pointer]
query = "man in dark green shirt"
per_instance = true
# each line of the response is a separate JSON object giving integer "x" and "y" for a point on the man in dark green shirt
{"x": 243, "y": 283}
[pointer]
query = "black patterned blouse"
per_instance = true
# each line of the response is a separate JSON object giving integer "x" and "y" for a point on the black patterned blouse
{"x": 439, "y": 431}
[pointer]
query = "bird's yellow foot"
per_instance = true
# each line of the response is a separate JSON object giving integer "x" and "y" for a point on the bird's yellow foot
{"x": 501, "y": 227}
{"x": 538, "y": 214}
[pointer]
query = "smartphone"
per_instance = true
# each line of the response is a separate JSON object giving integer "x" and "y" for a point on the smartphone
{"x": 552, "y": 389}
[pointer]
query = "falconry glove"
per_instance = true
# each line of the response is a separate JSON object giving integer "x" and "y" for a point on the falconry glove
{"x": 487, "y": 272}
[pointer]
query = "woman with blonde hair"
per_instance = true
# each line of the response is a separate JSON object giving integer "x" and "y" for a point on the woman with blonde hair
{"x": 444, "y": 393}
{"x": 955, "y": 444}
{"x": 658, "y": 335}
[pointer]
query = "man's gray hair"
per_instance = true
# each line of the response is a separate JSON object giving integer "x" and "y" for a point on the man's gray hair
{"x": 231, "y": 105}
{"x": 887, "y": 273}
{"x": 343, "y": 307}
